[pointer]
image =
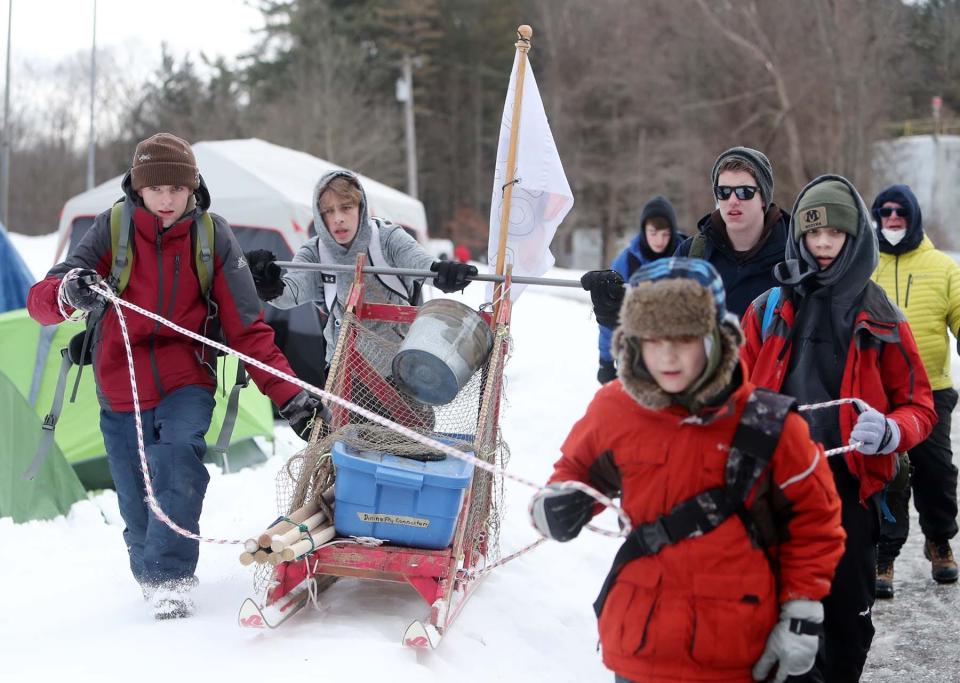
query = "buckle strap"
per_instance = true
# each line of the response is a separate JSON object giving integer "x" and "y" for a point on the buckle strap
{"x": 805, "y": 627}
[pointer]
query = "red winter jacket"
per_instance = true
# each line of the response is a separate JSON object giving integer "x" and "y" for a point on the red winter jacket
{"x": 164, "y": 281}
{"x": 883, "y": 368}
{"x": 701, "y": 609}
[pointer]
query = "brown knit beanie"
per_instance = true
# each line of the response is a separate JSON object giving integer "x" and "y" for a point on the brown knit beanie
{"x": 164, "y": 159}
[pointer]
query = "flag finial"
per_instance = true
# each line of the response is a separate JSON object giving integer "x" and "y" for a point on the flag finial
{"x": 524, "y": 33}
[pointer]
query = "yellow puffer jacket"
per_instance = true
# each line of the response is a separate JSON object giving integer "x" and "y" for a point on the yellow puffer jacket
{"x": 925, "y": 284}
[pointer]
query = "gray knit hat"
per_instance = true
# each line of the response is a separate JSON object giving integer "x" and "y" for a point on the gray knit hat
{"x": 759, "y": 166}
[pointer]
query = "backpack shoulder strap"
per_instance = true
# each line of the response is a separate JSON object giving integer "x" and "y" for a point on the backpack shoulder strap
{"x": 120, "y": 245}
{"x": 392, "y": 282}
{"x": 698, "y": 247}
{"x": 203, "y": 251}
{"x": 769, "y": 307}
{"x": 753, "y": 445}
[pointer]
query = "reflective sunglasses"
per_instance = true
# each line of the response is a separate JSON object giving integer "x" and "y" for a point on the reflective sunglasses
{"x": 744, "y": 192}
{"x": 888, "y": 211}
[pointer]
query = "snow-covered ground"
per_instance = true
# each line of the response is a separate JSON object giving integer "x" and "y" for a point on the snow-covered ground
{"x": 73, "y": 612}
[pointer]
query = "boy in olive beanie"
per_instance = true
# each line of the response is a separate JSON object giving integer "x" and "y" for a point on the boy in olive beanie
{"x": 829, "y": 332}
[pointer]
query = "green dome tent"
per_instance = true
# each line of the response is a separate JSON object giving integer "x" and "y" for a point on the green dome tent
{"x": 30, "y": 362}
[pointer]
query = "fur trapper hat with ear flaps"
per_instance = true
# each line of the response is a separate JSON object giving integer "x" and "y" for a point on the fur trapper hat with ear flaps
{"x": 676, "y": 298}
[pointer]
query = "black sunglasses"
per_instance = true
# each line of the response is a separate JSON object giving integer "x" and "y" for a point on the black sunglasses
{"x": 888, "y": 211}
{"x": 744, "y": 192}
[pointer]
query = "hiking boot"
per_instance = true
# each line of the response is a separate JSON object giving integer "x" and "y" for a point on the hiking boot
{"x": 172, "y": 600}
{"x": 885, "y": 581}
{"x": 943, "y": 567}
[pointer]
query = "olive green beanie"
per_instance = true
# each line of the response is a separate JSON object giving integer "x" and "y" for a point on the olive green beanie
{"x": 827, "y": 205}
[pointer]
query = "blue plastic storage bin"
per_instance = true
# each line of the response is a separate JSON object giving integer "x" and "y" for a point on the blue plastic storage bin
{"x": 405, "y": 501}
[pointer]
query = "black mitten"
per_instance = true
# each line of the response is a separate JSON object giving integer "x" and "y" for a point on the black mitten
{"x": 301, "y": 411}
{"x": 78, "y": 292}
{"x": 266, "y": 273}
{"x": 607, "y": 372}
{"x": 452, "y": 276}
{"x": 606, "y": 292}
{"x": 560, "y": 513}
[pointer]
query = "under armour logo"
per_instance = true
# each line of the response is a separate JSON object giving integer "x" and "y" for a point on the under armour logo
{"x": 143, "y": 157}
{"x": 241, "y": 262}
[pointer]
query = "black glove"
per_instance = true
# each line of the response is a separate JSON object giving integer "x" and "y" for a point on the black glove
{"x": 266, "y": 273}
{"x": 301, "y": 411}
{"x": 606, "y": 292}
{"x": 560, "y": 513}
{"x": 452, "y": 276}
{"x": 607, "y": 372}
{"x": 79, "y": 293}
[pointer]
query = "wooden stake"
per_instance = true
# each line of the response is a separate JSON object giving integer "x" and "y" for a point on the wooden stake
{"x": 319, "y": 537}
{"x": 524, "y": 33}
{"x": 260, "y": 556}
{"x": 251, "y": 545}
{"x": 283, "y": 526}
{"x": 246, "y": 559}
{"x": 281, "y": 541}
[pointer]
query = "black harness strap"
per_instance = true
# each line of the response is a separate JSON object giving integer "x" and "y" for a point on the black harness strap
{"x": 753, "y": 445}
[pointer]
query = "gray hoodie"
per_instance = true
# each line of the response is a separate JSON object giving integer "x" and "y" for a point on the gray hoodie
{"x": 399, "y": 250}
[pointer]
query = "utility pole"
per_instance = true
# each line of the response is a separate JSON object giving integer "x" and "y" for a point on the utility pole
{"x": 405, "y": 95}
{"x": 92, "y": 151}
{"x": 5, "y": 156}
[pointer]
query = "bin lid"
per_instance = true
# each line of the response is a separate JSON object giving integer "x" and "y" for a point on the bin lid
{"x": 450, "y": 472}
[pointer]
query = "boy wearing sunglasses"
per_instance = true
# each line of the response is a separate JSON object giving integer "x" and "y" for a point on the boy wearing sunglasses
{"x": 925, "y": 283}
{"x": 832, "y": 333}
{"x": 744, "y": 237}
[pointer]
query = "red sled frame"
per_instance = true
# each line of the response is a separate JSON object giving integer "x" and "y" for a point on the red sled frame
{"x": 444, "y": 578}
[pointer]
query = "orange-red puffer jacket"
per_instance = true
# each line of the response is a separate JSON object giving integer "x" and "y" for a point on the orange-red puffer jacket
{"x": 701, "y": 609}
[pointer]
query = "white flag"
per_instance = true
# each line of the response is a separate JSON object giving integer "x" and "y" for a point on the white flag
{"x": 541, "y": 194}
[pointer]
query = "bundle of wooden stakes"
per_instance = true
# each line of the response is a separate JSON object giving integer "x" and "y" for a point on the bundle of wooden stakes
{"x": 290, "y": 537}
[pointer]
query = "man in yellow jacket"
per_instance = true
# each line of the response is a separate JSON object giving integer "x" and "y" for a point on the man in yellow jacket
{"x": 925, "y": 283}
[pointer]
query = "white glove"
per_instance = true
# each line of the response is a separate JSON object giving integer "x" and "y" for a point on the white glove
{"x": 793, "y": 642}
{"x": 879, "y": 434}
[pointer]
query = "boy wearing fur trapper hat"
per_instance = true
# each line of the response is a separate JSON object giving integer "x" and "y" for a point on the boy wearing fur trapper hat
{"x": 829, "y": 332}
{"x": 163, "y": 215}
{"x": 707, "y": 468}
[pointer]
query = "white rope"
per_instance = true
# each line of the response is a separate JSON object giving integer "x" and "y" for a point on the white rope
{"x": 108, "y": 294}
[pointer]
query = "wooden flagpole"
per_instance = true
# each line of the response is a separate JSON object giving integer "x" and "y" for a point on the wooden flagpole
{"x": 524, "y": 33}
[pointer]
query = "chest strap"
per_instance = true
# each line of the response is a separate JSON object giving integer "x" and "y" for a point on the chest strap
{"x": 754, "y": 442}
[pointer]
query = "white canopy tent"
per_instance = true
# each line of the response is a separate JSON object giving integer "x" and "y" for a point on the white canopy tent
{"x": 256, "y": 185}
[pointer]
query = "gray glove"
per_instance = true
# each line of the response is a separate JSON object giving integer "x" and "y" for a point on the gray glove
{"x": 793, "y": 642}
{"x": 880, "y": 435}
{"x": 560, "y": 513}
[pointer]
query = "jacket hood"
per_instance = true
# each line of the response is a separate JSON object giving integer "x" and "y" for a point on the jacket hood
{"x": 658, "y": 207}
{"x": 201, "y": 194}
{"x": 903, "y": 195}
{"x": 853, "y": 267}
{"x": 362, "y": 239}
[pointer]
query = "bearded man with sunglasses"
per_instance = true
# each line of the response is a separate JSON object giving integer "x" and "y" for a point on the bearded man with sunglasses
{"x": 925, "y": 283}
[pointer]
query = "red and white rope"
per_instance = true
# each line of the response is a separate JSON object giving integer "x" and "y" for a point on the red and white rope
{"x": 107, "y": 293}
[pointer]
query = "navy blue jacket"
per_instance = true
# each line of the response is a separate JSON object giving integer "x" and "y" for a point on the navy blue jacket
{"x": 742, "y": 281}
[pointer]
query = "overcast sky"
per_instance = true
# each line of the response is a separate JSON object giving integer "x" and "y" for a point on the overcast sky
{"x": 49, "y": 30}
